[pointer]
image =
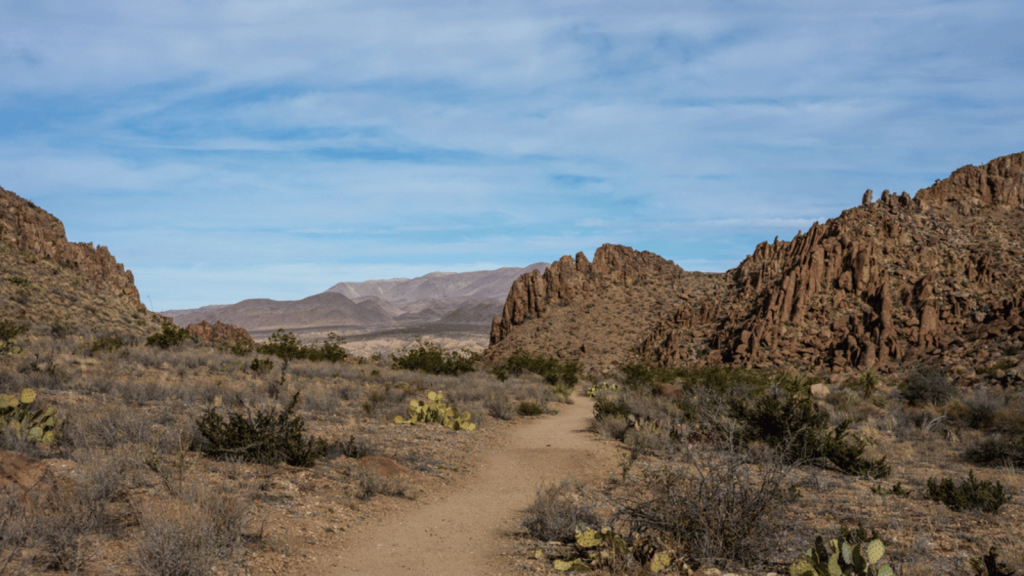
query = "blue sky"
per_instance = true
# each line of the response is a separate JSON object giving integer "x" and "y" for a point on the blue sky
{"x": 239, "y": 149}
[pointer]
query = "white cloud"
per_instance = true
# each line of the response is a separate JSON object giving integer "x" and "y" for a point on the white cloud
{"x": 414, "y": 132}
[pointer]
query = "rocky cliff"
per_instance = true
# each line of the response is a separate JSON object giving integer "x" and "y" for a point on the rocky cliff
{"x": 51, "y": 281}
{"x": 935, "y": 277}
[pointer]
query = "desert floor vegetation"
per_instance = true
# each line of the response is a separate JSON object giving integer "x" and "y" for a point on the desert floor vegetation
{"x": 178, "y": 458}
{"x": 741, "y": 470}
{"x": 247, "y": 460}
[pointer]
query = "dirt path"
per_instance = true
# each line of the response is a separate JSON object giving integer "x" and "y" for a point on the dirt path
{"x": 466, "y": 531}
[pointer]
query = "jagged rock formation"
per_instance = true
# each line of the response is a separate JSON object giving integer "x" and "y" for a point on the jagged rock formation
{"x": 221, "y": 333}
{"x": 889, "y": 283}
{"x": 38, "y": 233}
{"x": 50, "y": 281}
{"x": 594, "y": 312}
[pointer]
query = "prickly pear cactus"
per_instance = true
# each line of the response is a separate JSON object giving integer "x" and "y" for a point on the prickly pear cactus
{"x": 839, "y": 558}
{"x": 435, "y": 411}
{"x": 28, "y": 424}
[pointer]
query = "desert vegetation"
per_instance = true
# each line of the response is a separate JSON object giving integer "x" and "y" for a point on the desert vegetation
{"x": 748, "y": 470}
{"x": 169, "y": 456}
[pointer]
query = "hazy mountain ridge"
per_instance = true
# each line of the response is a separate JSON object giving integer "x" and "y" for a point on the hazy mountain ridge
{"x": 448, "y": 298}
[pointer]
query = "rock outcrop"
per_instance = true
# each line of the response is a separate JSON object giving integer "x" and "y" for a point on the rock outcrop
{"x": 54, "y": 285}
{"x": 887, "y": 284}
{"x": 221, "y": 333}
{"x": 38, "y": 233}
{"x": 593, "y": 312}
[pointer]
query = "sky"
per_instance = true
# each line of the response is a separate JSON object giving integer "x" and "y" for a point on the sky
{"x": 242, "y": 149}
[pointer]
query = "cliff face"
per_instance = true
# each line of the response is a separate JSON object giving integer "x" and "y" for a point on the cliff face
{"x": 936, "y": 277}
{"x": 38, "y": 233}
{"x": 50, "y": 282}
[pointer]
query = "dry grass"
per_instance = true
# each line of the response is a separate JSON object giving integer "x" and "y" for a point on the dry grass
{"x": 659, "y": 489}
{"x": 131, "y": 481}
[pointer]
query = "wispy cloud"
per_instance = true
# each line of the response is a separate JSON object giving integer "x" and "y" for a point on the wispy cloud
{"x": 251, "y": 136}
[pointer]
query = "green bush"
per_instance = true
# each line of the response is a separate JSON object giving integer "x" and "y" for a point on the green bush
{"x": 267, "y": 436}
{"x": 642, "y": 377}
{"x": 609, "y": 407}
{"x": 927, "y": 385}
{"x": 169, "y": 335}
{"x": 261, "y": 365}
{"x": 288, "y": 347}
{"x": 970, "y": 494}
{"x": 432, "y": 359}
{"x": 550, "y": 369}
{"x": 797, "y": 426}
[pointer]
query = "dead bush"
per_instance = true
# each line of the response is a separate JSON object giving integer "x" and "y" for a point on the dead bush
{"x": 370, "y": 484}
{"x": 187, "y": 537}
{"x": 559, "y": 511}
{"x": 718, "y": 505}
{"x": 66, "y": 527}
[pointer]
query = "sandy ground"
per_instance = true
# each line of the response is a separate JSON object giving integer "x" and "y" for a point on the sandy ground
{"x": 468, "y": 530}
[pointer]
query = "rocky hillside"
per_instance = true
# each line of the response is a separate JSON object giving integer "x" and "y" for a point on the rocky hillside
{"x": 596, "y": 312}
{"x": 934, "y": 278}
{"x": 54, "y": 285}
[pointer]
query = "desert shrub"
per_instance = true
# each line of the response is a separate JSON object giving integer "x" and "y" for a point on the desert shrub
{"x": 648, "y": 438}
{"x": 718, "y": 505}
{"x": 355, "y": 447}
{"x": 551, "y": 370}
{"x": 107, "y": 427}
{"x": 611, "y": 407}
{"x": 108, "y": 343}
{"x": 370, "y": 484}
{"x": 981, "y": 410}
{"x": 261, "y": 365}
{"x": 613, "y": 427}
{"x": 66, "y": 528}
{"x": 498, "y": 405}
{"x": 169, "y": 335}
{"x": 140, "y": 392}
{"x": 798, "y": 427}
{"x": 927, "y": 385}
{"x": 432, "y": 359}
{"x": 186, "y": 537}
{"x": 867, "y": 382}
{"x": 329, "y": 350}
{"x": 15, "y": 525}
{"x": 559, "y": 511}
{"x": 11, "y": 440}
{"x": 528, "y": 408}
{"x": 268, "y": 436}
{"x": 103, "y": 477}
{"x": 970, "y": 494}
{"x": 642, "y": 376}
{"x": 997, "y": 450}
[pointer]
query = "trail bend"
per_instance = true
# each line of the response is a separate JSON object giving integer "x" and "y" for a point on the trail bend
{"x": 468, "y": 530}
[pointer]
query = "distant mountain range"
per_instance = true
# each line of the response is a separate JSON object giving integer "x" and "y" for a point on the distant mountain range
{"x": 466, "y": 299}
